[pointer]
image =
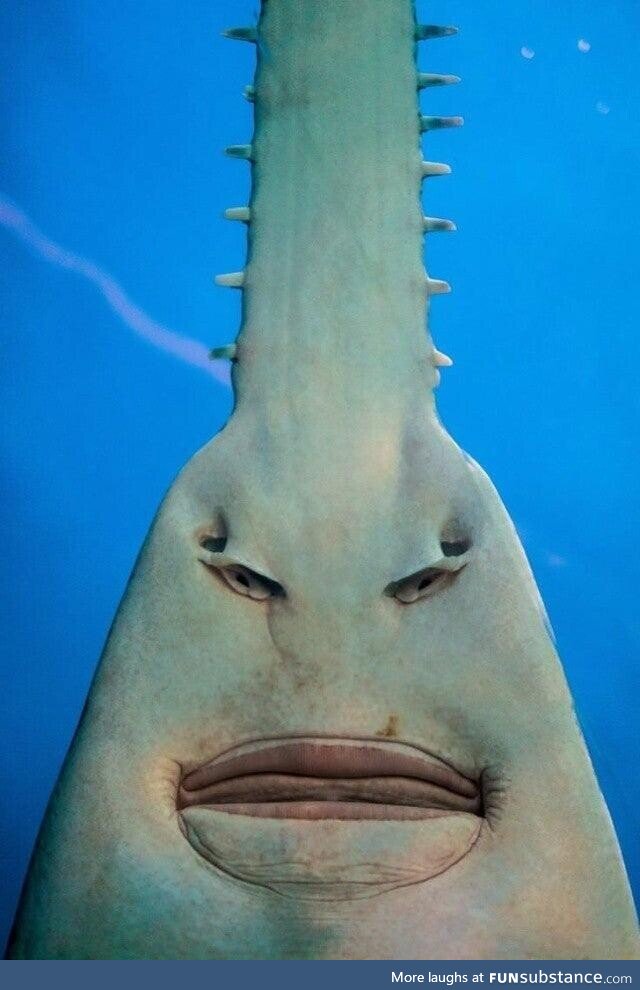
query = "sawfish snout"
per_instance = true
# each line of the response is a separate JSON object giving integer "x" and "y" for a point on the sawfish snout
{"x": 329, "y": 819}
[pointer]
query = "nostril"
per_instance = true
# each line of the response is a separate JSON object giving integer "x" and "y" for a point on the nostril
{"x": 420, "y": 585}
{"x": 426, "y": 581}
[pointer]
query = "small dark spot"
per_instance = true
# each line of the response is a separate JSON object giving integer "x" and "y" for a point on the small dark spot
{"x": 214, "y": 544}
{"x": 390, "y": 730}
{"x": 454, "y": 548}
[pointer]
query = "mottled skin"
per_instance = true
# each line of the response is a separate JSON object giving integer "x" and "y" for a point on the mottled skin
{"x": 334, "y": 478}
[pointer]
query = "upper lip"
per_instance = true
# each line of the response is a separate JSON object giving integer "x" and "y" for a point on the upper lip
{"x": 310, "y": 770}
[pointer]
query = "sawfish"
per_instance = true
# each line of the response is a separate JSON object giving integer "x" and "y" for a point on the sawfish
{"x": 329, "y": 721}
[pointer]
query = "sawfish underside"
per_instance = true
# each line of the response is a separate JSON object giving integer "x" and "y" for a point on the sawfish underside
{"x": 329, "y": 721}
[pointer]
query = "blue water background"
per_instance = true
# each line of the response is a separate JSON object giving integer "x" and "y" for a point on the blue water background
{"x": 113, "y": 118}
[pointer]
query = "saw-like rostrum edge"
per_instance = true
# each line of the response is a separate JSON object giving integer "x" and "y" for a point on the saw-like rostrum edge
{"x": 336, "y": 160}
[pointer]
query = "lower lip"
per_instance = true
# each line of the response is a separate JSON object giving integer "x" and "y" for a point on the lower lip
{"x": 329, "y": 851}
{"x": 336, "y": 810}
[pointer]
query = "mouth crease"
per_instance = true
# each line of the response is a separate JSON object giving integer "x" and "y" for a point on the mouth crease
{"x": 316, "y": 778}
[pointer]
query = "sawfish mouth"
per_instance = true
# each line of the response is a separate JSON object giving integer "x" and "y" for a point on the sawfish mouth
{"x": 345, "y": 780}
{"x": 321, "y": 819}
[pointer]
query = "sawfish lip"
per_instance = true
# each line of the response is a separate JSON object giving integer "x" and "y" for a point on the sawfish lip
{"x": 315, "y": 778}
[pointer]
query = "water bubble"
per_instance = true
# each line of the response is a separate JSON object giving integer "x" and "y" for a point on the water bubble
{"x": 527, "y": 52}
{"x": 603, "y": 107}
{"x": 584, "y": 45}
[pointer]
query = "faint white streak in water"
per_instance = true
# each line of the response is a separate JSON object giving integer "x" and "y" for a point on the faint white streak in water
{"x": 555, "y": 560}
{"x": 183, "y": 348}
{"x": 584, "y": 45}
{"x": 527, "y": 52}
{"x": 603, "y": 107}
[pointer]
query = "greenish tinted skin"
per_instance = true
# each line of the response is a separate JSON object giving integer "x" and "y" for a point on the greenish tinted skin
{"x": 334, "y": 478}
